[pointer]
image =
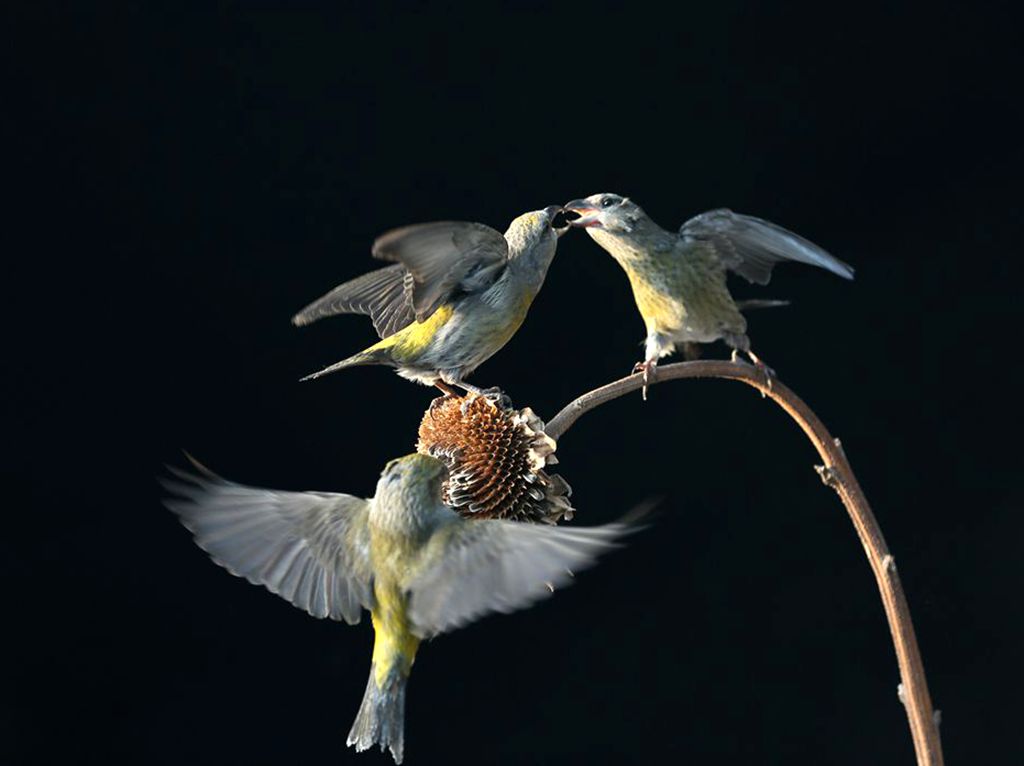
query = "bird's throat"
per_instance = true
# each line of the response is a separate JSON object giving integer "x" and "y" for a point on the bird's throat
{"x": 623, "y": 247}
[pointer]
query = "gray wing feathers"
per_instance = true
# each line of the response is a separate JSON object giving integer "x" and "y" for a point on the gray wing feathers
{"x": 478, "y": 567}
{"x": 443, "y": 256}
{"x": 385, "y": 295}
{"x": 311, "y": 548}
{"x": 760, "y": 303}
{"x": 751, "y": 246}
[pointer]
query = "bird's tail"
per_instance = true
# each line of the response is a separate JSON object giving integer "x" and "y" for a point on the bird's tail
{"x": 381, "y": 717}
{"x": 759, "y": 303}
{"x": 370, "y": 356}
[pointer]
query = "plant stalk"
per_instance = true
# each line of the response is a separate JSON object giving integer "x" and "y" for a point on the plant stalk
{"x": 836, "y": 473}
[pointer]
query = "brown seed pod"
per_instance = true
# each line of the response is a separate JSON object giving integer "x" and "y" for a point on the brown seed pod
{"x": 496, "y": 457}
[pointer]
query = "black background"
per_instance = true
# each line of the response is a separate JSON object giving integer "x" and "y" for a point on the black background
{"x": 185, "y": 180}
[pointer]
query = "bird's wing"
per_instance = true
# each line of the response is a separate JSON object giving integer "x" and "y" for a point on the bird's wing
{"x": 311, "y": 548}
{"x": 475, "y": 567}
{"x": 384, "y": 294}
{"x": 443, "y": 257}
{"x": 751, "y": 246}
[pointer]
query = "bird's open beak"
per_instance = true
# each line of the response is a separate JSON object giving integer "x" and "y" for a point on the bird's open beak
{"x": 589, "y": 215}
{"x": 555, "y": 214}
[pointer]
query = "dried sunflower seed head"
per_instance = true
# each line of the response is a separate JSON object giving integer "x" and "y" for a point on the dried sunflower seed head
{"x": 496, "y": 457}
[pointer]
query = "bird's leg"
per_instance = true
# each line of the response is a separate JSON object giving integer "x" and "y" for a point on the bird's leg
{"x": 741, "y": 343}
{"x": 448, "y": 392}
{"x": 766, "y": 371}
{"x": 493, "y": 394}
{"x": 445, "y": 388}
{"x": 656, "y": 345}
{"x": 649, "y": 368}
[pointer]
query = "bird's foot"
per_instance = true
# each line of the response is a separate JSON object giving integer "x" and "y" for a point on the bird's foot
{"x": 493, "y": 394}
{"x": 649, "y": 368}
{"x": 447, "y": 392}
{"x": 766, "y": 372}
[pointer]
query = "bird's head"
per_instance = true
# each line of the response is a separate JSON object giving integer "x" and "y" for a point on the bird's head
{"x": 535, "y": 227}
{"x": 532, "y": 241}
{"x": 606, "y": 212}
{"x": 414, "y": 478}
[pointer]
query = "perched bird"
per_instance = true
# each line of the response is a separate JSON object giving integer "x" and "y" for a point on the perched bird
{"x": 679, "y": 279}
{"x": 417, "y": 566}
{"x": 458, "y": 293}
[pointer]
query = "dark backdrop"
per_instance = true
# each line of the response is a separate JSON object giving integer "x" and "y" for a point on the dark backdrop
{"x": 186, "y": 180}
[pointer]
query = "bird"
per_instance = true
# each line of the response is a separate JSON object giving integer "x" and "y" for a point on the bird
{"x": 415, "y": 564}
{"x": 457, "y": 293}
{"x": 679, "y": 278}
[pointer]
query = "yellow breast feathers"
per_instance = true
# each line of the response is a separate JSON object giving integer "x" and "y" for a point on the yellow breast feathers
{"x": 661, "y": 311}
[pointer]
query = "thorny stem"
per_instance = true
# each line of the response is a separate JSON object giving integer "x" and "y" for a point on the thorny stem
{"x": 835, "y": 473}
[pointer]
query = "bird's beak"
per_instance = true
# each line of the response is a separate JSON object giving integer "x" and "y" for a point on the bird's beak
{"x": 553, "y": 212}
{"x": 589, "y": 215}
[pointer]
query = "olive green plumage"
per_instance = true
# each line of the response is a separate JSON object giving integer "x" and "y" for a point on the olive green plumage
{"x": 415, "y": 564}
{"x": 679, "y": 278}
{"x": 458, "y": 293}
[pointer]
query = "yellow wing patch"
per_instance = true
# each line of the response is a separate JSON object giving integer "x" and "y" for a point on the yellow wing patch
{"x": 410, "y": 341}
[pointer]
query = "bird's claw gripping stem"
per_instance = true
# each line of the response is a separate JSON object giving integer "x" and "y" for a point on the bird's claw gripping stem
{"x": 649, "y": 368}
{"x": 766, "y": 372}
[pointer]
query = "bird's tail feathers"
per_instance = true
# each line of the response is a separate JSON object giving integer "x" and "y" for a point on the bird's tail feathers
{"x": 760, "y": 303}
{"x": 370, "y": 356}
{"x": 380, "y": 720}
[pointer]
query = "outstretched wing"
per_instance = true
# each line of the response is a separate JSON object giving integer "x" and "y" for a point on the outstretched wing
{"x": 476, "y": 567}
{"x": 442, "y": 257}
{"x": 311, "y": 548}
{"x": 751, "y": 246}
{"x": 385, "y": 295}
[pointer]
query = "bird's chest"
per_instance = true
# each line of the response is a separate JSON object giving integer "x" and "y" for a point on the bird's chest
{"x": 680, "y": 295}
{"x": 506, "y": 309}
{"x": 486, "y": 323}
{"x": 657, "y": 295}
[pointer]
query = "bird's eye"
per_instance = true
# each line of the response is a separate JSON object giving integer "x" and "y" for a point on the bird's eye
{"x": 607, "y": 202}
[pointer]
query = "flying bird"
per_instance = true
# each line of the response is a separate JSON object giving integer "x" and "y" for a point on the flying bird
{"x": 679, "y": 278}
{"x": 456, "y": 294}
{"x": 413, "y": 562}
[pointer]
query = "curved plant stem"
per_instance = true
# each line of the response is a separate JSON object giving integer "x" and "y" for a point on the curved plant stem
{"x": 836, "y": 473}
